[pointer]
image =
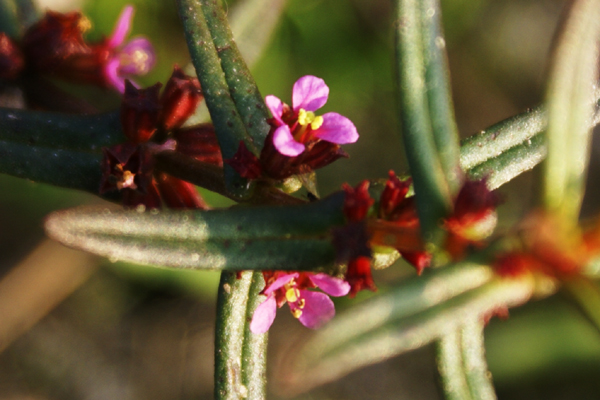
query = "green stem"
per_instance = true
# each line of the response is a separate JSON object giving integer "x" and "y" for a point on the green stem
{"x": 8, "y": 18}
{"x": 431, "y": 188}
{"x": 475, "y": 366}
{"x": 232, "y": 304}
{"x": 254, "y": 351}
{"x": 439, "y": 94}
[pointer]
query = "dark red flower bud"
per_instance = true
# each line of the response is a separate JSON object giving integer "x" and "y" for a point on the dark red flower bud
{"x": 474, "y": 202}
{"x": 357, "y": 202}
{"x": 11, "y": 58}
{"x": 419, "y": 259}
{"x": 55, "y": 43}
{"x": 245, "y": 163}
{"x": 359, "y": 275}
{"x": 393, "y": 196}
{"x": 126, "y": 166}
{"x": 139, "y": 112}
{"x": 200, "y": 142}
{"x": 179, "y": 194}
{"x": 512, "y": 265}
{"x": 179, "y": 99}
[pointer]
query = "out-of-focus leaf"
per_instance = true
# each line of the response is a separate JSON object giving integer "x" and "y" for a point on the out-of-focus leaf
{"x": 451, "y": 367}
{"x": 336, "y": 350}
{"x": 476, "y": 370}
{"x": 290, "y": 237}
{"x": 431, "y": 188}
{"x": 570, "y": 92}
{"x": 8, "y": 18}
{"x": 439, "y": 94}
{"x": 63, "y": 150}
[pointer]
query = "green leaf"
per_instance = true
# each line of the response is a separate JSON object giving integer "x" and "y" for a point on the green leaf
{"x": 451, "y": 368}
{"x": 236, "y": 107}
{"x": 475, "y": 366}
{"x": 254, "y": 350}
{"x": 431, "y": 188}
{"x": 511, "y": 163}
{"x": 439, "y": 94}
{"x": 242, "y": 238}
{"x": 232, "y": 303}
{"x": 8, "y": 18}
{"x": 570, "y": 92}
{"x": 59, "y": 149}
{"x": 385, "y": 330}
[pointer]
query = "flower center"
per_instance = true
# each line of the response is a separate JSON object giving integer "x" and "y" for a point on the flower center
{"x": 308, "y": 117}
{"x": 292, "y": 295}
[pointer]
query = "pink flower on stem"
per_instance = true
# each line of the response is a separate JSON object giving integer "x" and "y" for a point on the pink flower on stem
{"x": 135, "y": 57}
{"x": 301, "y": 125}
{"x": 313, "y": 309}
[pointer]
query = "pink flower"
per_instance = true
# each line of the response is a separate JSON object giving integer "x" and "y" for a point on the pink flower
{"x": 300, "y": 124}
{"x": 135, "y": 57}
{"x": 313, "y": 309}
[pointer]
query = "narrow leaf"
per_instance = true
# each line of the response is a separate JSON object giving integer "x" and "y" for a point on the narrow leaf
{"x": 476, "y": 370}
{"x": 315, "y": 365}
{"x": 8, "y": 18}
{"x": 439, "y": 95}
{"x": 229, "y": 126}
{"x": 232, "y": 302}
{"x": 254, "y": 351}
{"x": 431, "y": 188}
{"x": 451, "y": 368}
{"x": 569, "y": 97}
{"x": 291, "y": 237}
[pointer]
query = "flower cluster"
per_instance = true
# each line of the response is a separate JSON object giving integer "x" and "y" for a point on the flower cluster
{"x": 55, "y": 45}
{"x": 392, "y": 222}
{"x": 312, "y": 309}
{"x": 146, "y": 115}
{"x": 299, "y": 140}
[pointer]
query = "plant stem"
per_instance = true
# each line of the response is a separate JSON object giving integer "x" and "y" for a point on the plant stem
{"x": 451, "y": 367}
{"x": 475, "y": 366}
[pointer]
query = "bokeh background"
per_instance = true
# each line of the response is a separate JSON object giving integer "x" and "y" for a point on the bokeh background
{"x": 131, "y": 332}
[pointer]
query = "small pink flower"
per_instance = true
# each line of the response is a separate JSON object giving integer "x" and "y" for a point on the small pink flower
{"x": 136, "y": 57}
{"x": 313, "y": 309}
{"x": 300, "y": 124}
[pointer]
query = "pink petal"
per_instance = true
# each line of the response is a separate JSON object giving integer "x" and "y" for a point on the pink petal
{"x": 337, "y": 129}
{"x": 264, "y": 315}
{"x": 318, "y": 309}
{"x": 285, "y": 143}
{"x": 280, "y": 282}
{"x": 121, "y": 28}
{"x": 330, "y": 285}
{"x": 276, "y": 107}
{"x": 111, "y": 73}
{"x": 309, "y": 93}
{"x": 137, "y": 57}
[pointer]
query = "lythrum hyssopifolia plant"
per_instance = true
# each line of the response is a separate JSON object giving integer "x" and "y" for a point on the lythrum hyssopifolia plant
{"x": 284, "y": 243}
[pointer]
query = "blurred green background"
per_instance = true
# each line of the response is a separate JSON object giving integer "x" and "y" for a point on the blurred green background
{"x": 131, "y": 332}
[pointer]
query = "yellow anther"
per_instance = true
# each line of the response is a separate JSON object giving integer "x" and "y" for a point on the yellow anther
{"x": 301, "y": 303}
{"x": 84, "y": 24}
{"x": 317, "y": 122}
{"x": 296, "y": 313}
{"x": 306, "y": 117}
{"x": 291, "y": 295}
{"x": 127, "y": 181}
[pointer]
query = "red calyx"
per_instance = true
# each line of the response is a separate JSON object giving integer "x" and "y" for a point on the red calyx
{"x": 179, "y": 99}
{"x": 139, "y": 112}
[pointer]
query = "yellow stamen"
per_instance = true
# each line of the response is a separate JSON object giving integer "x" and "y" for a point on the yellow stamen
{"x": 292, "y": 294}
{"x": 84, "y": 24}
{"x": 127, "y": 181}
{"x": 301, "y": 303}
{"x": 316, "y": 124}
{"x": 305, "y": 117}
{"x": 296, "y": 313}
